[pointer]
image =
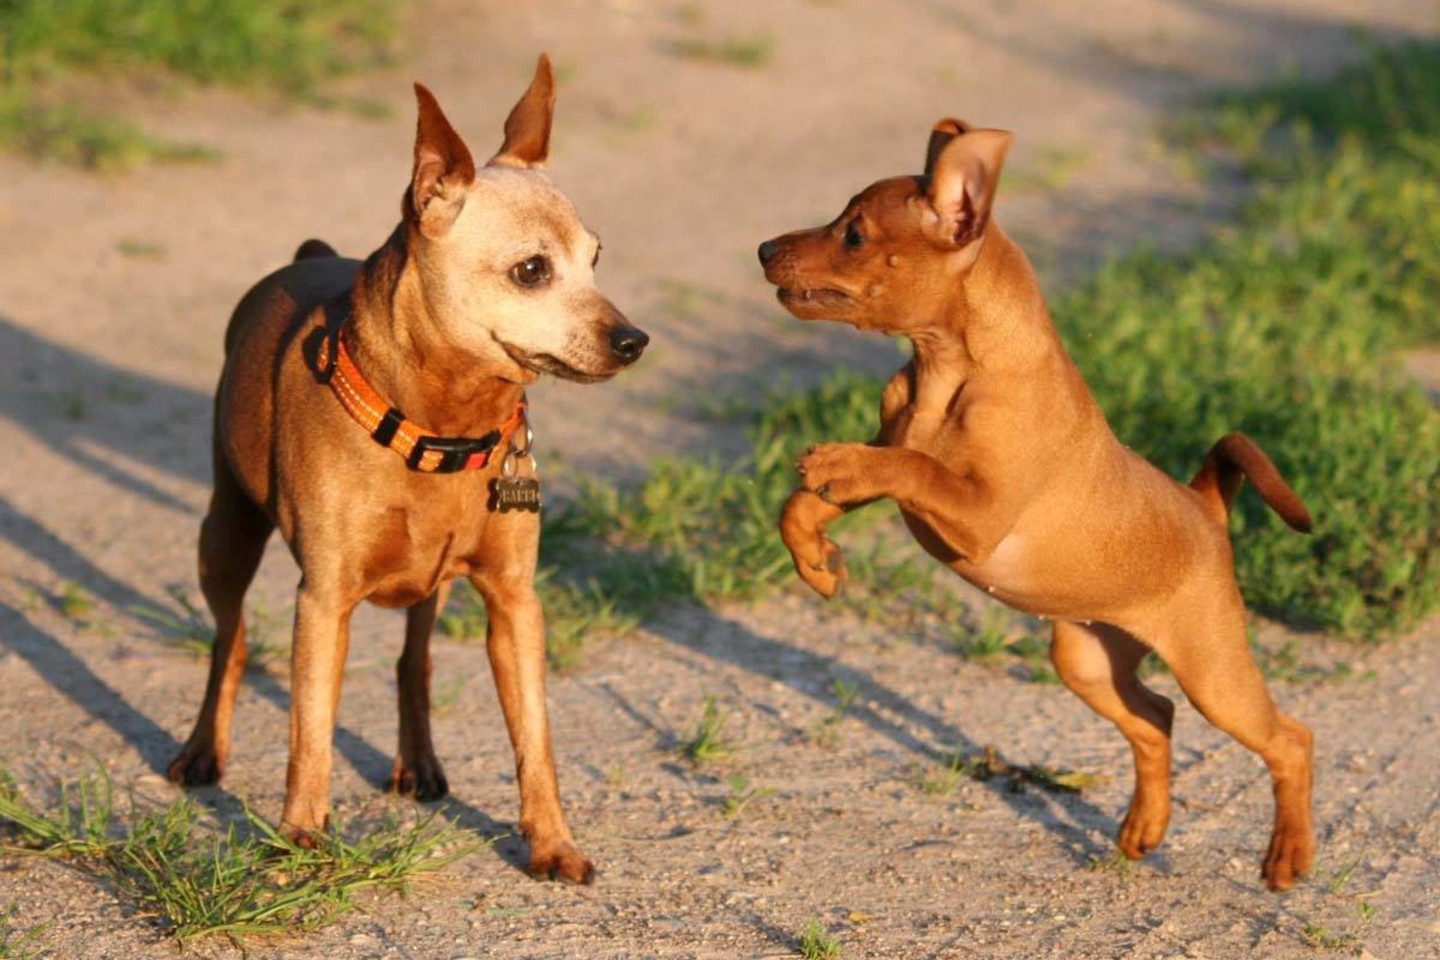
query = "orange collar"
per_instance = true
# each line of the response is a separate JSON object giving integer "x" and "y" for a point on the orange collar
{"x": 388, "y": 427}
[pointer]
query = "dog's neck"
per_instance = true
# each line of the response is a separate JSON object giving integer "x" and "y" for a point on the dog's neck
{"x": 995, "y": 324}
{"x": 394, "y": 346}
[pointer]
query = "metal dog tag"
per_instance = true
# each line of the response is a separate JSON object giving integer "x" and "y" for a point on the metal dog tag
{"x": 510, "y": 492}
{"x": 515, "y": 493}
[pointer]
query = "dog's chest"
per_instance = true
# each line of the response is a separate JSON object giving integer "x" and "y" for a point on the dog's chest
{"x": 421, "y": 545}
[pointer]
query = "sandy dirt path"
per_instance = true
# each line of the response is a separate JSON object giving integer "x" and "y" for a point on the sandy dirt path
{"x": 107, "y": 361}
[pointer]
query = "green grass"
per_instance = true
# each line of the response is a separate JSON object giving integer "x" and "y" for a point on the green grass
{"x": 735, "y": 51}
{"x": 741, "y": 795}
{"x": 281, "y": 45}
{"x": 16, "y": 944}
{"x": 244, "y": 881}
{"x": 1285, "y": 325}
{"x": 707, "y": 742}
{"x": 989, "y": 764}
{"x": 815, "y": 944}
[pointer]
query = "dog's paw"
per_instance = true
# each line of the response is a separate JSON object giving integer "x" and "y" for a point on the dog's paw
{"x": 199, "y": 765}
{"x": 422, "y": 779}
{"x": 1143, "y": 829}
{"x": 823, "y": 570}
{"x": 839, "y": 473}
{"x": 562, "y": 861}
{"x": 818, "y": 560}
{"x": 1288, "y": 860}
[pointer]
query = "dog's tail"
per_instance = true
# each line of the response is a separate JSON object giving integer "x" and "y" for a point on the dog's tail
{"x": 313, "y": 248}
{"x": 1230, "y": 461}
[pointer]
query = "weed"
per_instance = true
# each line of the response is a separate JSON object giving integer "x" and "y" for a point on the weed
{"x": 1116, "y": 863}
{"x": 754, "y": 51}
{"x": 707, "y": 741}
{"x": 190, "y": 629}
{"x": 941, "y": 782}
{"x": 19, "y": 945}
{"x": 988, "y": 764}
{"x": 1322, "y": 938}
{"x": 827, "y": 731}
{"x": 1052, "y": 169}
{"x": 74, "y": 603}
{"x": 992, "y": 639}
{"x": 815, "y": 944}
{"x": 64, "y": 133}
{"x": 1335, "y": 881}
{"x": 741, "y": 795}
{"x": 140, "y": 249}
{"x": 444, "y": 700}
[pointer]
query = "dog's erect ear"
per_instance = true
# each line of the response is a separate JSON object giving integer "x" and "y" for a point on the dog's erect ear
{"x": 443, "y": 167}
{"x": 527, "y": 130}
{"x": 963, "y": 181}
{"x": 940, "y": 137}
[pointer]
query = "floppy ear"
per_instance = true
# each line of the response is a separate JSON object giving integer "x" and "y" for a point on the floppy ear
{"x": 527, "y": 130}
{"x": 945, "y": 131}
{"x": 443, "y": 168}
{"x": 962, "y": 184}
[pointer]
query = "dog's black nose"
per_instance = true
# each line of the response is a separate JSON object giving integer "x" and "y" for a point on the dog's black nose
{"x": 627, "y": 343}
{"x": 768, "y": 250}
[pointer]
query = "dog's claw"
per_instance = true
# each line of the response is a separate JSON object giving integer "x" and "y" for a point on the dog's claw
{"x": 196, "y": 767}
{"x": 424, "y": 780}
{"x": 566, "y": 864}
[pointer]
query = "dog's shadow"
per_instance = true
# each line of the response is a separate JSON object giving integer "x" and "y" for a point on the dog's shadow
{"x": 1070, "y": 817}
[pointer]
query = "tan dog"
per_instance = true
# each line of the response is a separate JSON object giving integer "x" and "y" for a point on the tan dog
{"x": 1006, "y": 471}
{"x": 487, "y": 282}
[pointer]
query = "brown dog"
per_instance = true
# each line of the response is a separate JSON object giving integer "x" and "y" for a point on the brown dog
{"x": 1006, "y": 471}
{"x": 487, "y": 282}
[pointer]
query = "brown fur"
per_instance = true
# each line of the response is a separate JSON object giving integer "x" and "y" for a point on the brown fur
{"x": 441, "y": 330}
{"x": 1005, "y": 470}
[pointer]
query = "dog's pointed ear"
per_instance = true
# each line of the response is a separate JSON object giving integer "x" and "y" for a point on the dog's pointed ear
{"x": 963, "y": 181}
{"x": 443, "y": 168}
{"x": 940, "y": 137}
{"x": 527, "y": 130}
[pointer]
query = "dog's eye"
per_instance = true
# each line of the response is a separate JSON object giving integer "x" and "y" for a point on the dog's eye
{"x": 596, "y": 259}
{"x": 853, "y": 237}
{"x": 531, "y": 272}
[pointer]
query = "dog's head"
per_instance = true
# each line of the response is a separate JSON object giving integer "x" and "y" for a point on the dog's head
{"x": 505, "y": 267}
{"x": 892, "y": 259}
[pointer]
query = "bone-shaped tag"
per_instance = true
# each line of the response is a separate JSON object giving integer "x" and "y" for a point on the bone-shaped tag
{"x": 515, "y": 493}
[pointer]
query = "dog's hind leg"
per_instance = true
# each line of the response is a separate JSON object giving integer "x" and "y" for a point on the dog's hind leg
{"x": 417, "y": 770}
{"x": 1206, "y": 645}
{"x": 1098, "y": 662}
{"x": 232, "y": 541}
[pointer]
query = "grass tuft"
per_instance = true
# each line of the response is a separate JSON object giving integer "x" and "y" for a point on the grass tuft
{"x": 707, "y": 741}
{"x": 246, "y": 881}
{"x": 19, "y": 944}
{"x": 734, "y": 51}
{"x": 815, "y": 944}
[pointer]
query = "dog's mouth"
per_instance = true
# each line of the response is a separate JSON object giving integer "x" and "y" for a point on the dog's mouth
{"x": 813, "y": 301}
{"x": 553, "y": 365}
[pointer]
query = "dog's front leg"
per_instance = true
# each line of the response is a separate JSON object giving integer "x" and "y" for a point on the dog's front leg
{"x": 317, "y": 664}
{"x": 962, "y": 509}
{"x": 516, "y": 644}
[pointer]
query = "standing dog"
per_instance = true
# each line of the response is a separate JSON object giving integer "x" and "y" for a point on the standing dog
{"x": 1006, "y": 471}
{"x": 487, "y": 282}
